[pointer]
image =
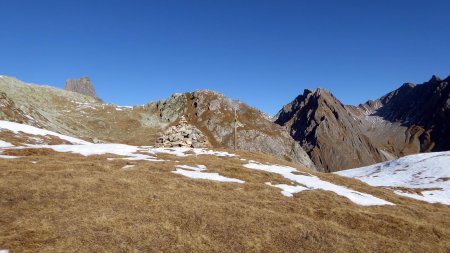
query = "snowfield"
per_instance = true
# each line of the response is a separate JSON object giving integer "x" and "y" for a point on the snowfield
{"x": 429, "y": 172}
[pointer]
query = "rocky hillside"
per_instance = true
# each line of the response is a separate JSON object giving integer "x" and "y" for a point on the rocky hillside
{"x": 213, "y": 114}
{"x": 88, "y": 118}
{"x": 409, "y": 120}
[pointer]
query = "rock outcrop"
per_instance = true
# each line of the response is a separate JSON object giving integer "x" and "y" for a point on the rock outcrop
{"x": 213, "y": 114}
{"x": 82, "y": 86}
{"x": 182, "y": 135}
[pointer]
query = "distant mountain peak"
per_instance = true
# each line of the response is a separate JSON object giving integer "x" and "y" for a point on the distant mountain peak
{"x": 435, "y": 78}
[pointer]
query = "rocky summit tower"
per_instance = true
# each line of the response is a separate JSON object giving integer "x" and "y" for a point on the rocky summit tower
{"x": 82, "y": 85}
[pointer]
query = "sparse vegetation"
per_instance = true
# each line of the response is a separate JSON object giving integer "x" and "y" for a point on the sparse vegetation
{"x": 90, "y": 204}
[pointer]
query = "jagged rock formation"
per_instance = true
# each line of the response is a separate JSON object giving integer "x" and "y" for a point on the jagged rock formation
{"x": 183, "y": 135}
{"x": 409, "y": 120}
{"x": 327, "y": 131}
{"x": 82, "y": 86}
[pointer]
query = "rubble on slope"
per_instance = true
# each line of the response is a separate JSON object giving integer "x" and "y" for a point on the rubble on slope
{"x": 182, "y": 135}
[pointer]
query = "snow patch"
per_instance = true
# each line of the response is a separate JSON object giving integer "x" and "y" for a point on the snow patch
{"x": 128, "y": 166}
{"x": 311, "y": 182}
{"x": 198, "y": 173}
{"x": 182, "y": 152}
{"x": 4, "y": 144}
{"x": 100, "y": 149}
{"x": 29, "y": 117}
{"x": 288, "y": 190}
{"x": 9, "y": 156}
{"x": 421, "y": 171}
{"x": 16, "y": 128}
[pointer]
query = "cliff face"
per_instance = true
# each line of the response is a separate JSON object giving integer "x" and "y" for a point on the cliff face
{"x": 82, "y": 86}
{"x": 409, "y": 120}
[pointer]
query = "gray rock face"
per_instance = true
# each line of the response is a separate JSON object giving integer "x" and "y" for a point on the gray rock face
{"x": 82, "y": 86}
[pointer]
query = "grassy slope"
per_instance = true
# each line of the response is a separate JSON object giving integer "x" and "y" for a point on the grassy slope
{"x": 91, "y": 204}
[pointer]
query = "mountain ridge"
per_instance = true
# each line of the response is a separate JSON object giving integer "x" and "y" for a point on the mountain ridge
{"x": 87, "y": 117}
{"x": 397, "y": 124}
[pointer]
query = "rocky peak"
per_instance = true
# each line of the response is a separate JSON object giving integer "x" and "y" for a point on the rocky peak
{"x": 327, "y": 131}
{"x": 82, "y": 85}
{"x": 435, "y": 78}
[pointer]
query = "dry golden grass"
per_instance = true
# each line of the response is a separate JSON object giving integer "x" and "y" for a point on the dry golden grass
{"x": 70, "y": 203}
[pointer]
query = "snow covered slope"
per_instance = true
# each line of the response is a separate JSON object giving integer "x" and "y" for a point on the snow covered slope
{"x": 423, "y": 176}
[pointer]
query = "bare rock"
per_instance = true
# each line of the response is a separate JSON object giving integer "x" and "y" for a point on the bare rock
{"x": 182, "y": 135}
{"x": 82, "y": 86}
{"x": 408, "y": 120}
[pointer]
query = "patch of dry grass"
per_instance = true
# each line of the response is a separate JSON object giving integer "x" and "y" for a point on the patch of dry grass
{"x": 67, "y": 203}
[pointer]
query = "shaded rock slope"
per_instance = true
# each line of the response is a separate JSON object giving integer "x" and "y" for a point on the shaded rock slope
{"x": 409, "y": 120}
{"x": 328, "y": 131}
{"x": 86, "y": 117}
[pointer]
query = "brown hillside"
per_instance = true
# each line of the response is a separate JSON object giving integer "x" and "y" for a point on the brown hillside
{"x": 91, "y": 204}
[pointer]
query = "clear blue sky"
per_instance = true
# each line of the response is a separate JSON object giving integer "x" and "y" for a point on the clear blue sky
{"x": 261, "y": 52}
